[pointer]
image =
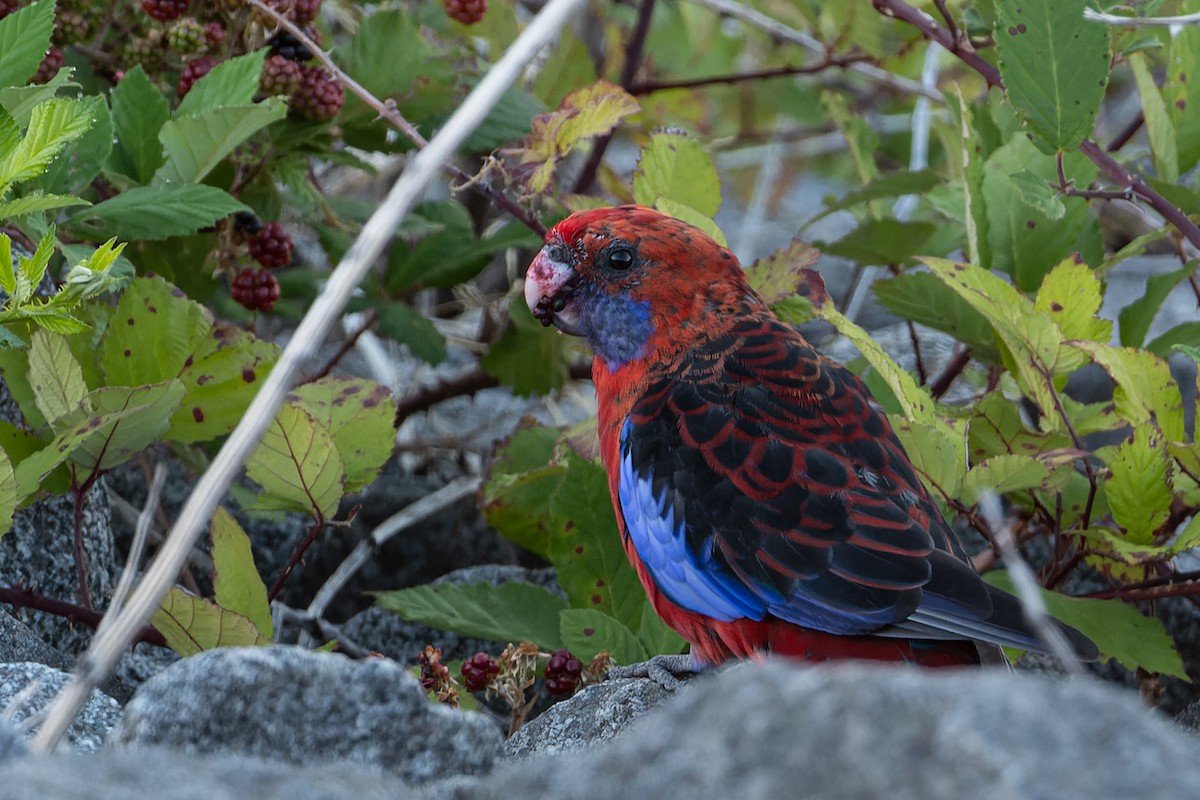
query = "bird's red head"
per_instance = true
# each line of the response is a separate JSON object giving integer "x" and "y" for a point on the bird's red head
{"x": 630, "y": 278}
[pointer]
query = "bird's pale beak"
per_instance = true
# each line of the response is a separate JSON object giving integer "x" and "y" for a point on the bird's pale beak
{"x": 550, "y": 292}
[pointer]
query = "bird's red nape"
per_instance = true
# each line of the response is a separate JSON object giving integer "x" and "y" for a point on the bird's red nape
{"x": 763, "y": 499}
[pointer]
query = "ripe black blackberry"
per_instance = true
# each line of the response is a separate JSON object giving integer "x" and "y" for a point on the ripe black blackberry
{"x": 271, "y": 246}
{"x": 319, "y": 97}
{"x": 468, "y": 12}
{"x": 193, "y": 71}
{"x": 255, "y": 288}
{"x": 165, "y": 10}
{"x": 246, "y": 223}
{"x": 562, "y": 672}
{"x": 288, "y": 46}
{"x": 280, "y": 75}
{"x": 478, "y": 671}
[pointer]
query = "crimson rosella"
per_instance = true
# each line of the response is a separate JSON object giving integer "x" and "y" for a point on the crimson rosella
{"x": 761, "y": 495}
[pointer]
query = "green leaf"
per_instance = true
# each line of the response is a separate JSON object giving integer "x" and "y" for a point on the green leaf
{"x": 584, "y": 114}
{"x": 881, "y": 241}
{"x": 298, "y": 466}
{"x": 9, "y": 496}
{"x": 511, "y": 612}
{"x": 860, "y": 136}
{"x": 55, "y": 376}
{"x": 36, "y": 202}
{"x": 24, "y": 40}
{"x": 387, "y": 53}
{"x": 675, "y": 166}
{"x": 233, "y": 82}
{"x": 237, "y": 586}
{"x": 1031, "y": 338}
{"x": 359, "y": 414}
{"x": 1146, "y": 394}
{"x": 1160, "y": 130}
{"x": 776, "y": 277}
{"x": 221, "y": 376}
{"x": 520, "y": 483}
{"x": 692, "y": 217}
{"x": 123, "y": 422}
{"x": 1071, "y": 295}
{"x": 1118, "y": 629}
{"x": 402, "y": 322}
{"x": 922, "y": 298}
{"x": 451, "y": 254}
{"x": 586, "y": 631}
{"x": 891, "y": 184}
{"x": 1138, "y": 488}
{"x": 1020, "y": 238}
{"x": 1135, "y": 319}
{"x": 937, "y": 453}
{"x": 1181, "y": 92}
{"x": 1183, "y": 335}
{"x": 152, "y": 333}
{"x": 52, "y": 125}
{"x": 507, "y": 121}
{"x": 139, "y": 111}
{"x": 1054, "y": 66}
{"x": 193, "y": 624}
{"x": 656, "y": 636}
{"x": 586, "y": 548}
{"x": 195, "y": 144}
{"x": 8, "y": 275}
{"x": 528, "y": 357}
{"x": 1002, "y": 474}
{"x": 1191, "y": 352}
{"x": 155, "y": 212}
{"x": 1038, "y": 194}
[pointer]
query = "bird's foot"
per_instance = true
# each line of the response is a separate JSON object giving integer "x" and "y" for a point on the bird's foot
{"x": 669, "y": 672}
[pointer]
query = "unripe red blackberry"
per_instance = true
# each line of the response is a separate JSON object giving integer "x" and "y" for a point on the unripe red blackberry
{"x": 165, "y": 10}
{"x": 214, "y": 36}
{"x": 8, "y": 6}
{"x": 280, "y": 75}
{"x": 562, "y": 672}
{"x": 255, "y": 289}
{"x": 193, "y": 71}
{"x": 187, "y": 36}
{"x": 478, "y": 671}
{"x": 271, "y": 246}
{"x": 468, "y": 12}
{"x": 319, "y": 97}
{"x": 51, "y": 64}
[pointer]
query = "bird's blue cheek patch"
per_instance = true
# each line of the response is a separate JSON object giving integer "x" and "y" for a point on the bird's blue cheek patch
{"x": 689, "y": 580}
{"x": 620, "y": 329}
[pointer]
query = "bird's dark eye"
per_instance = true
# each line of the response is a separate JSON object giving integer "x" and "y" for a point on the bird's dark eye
{"x": 620, "y": 258}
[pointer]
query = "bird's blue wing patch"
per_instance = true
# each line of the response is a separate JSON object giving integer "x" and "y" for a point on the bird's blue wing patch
{"x": 693, "y": 581}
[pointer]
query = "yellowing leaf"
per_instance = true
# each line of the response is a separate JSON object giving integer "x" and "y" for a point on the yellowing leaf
{"x": 193, "y": 624}
{"x": 676, "y": 167}
{"x": 583, "y": 114}
{"x": 1004, "y": 473}
{"x": 55, "y": 376}
{"x": 1031, "y": 338}
{"x": 359, "y": 413}
{"x": 298, "y": 466}
{"x": 692, "y": 217}
{"x": 1138, "y": 490}
{"x": 153, "y": 331}
{"x": 237, "y": 586}
{"x": 8, "y": 493}
{"x": 1146, "y": 394}
{"x": 937, "y": 452}
{"x": 777, "y": 276}
{"x": 1070, "y": 294}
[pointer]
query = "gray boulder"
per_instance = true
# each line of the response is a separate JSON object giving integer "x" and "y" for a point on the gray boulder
{"x": 91, "y": 726}
{"x": 779, "y": 730}
{"x": 160, "y": 774}
{"x": 294, "y": 706}
{"x": 595, "y": 715}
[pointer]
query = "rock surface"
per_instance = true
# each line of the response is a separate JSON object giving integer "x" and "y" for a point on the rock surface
{"x": 299, "y": 707}
{"x": 91, "y": 727}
